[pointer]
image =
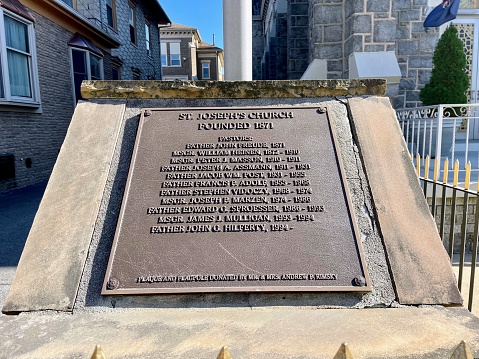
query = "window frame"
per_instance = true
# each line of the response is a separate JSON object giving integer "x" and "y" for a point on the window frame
{"x": 208, "y": 66}
{"x": 8, "y": 99}
{"x": 148, "y": 41}
{"x": 113, "y": 14}
{"x": 170, "y": 54}
{"x": 164, "y": 55}
{"x": 88, "y": 67}
{"x": 74, "y": 4}
{"x": 132, "y": 7}
{"x": 117, "y": 68}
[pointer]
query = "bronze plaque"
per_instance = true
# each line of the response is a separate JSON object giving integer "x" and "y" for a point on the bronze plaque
{"x": 235, "y": 200}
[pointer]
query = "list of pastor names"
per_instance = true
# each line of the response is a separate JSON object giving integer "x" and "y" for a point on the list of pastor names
{"x": 235, "y": 184}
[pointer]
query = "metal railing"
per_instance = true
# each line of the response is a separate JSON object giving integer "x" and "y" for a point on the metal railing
{"x": 443, "y": 131}
{"x": 449, "y": 205}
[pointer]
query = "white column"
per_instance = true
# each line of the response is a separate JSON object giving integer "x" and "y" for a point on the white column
{"x": 238, "y": 39}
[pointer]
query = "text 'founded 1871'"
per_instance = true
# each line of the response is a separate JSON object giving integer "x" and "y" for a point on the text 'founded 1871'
{"x": 235, "y": 199}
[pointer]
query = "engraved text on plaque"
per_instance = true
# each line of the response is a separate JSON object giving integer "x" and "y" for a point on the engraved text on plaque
{"x": 235, "y": 199}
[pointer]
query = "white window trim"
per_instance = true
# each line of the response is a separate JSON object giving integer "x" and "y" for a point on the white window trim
{"x": 34, "y": 101}
{"x": 148, "y": 41}
{"x": 72, "y": 74}
{"x": 132, "y": 23}
{"x": 165, "y": 54}
{"x": 209, "y": 69}
{"x": 168, "y": 53}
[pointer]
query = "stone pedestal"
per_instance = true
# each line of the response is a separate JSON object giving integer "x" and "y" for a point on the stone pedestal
{"x": 413, "y": 308}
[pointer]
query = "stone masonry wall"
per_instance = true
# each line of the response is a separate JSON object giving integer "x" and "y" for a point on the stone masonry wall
{"x": 459, "y": 215}
{"x": 369, "y": 27}
{"x": 326, "y": 27}
{"x": 340, "y": 27}
{"x": 39, "y": 136}
{"x": 332, "y": 30}
{"x": 415, "y": 48}
{"x": 298, "y": 42}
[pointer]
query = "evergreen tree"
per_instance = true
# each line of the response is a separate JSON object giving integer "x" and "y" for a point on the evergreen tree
{"x": 449, "y": 81}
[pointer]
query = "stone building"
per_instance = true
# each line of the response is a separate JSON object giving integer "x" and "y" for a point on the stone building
{"x": 47, "y": 48}
{"x": 185, "y": 56}
{"x": 324, "y": 39}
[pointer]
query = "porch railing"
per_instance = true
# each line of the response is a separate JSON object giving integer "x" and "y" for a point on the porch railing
{"x": 456, "y": 211}
{"x": 443, "y": 131}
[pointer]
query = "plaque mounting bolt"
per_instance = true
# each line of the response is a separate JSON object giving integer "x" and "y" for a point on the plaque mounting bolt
{"x": 113, "y": 283}
{"x": 147, "y": 113}
{"x": 359, "y": 281}
{"x": 321, "y": 110}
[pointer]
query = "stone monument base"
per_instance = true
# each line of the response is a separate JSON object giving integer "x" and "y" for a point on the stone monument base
{"x": 407, "y": 305}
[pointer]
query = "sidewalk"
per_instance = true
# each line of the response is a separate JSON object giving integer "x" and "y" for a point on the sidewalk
{"x": 17, "y": 211}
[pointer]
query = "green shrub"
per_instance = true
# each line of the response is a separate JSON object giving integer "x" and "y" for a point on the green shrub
{"x": 449, "y": 81}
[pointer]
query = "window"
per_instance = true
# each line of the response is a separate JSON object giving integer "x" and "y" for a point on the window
{"x": 170, "y": 54}
{"x": 7, "y": 167}
{"x": 115, "y": 72}
{"x": 175, "y": 54}
{"x": 147, "y": 39}
{"x": 71, "y": 3}
{"x": 110, "y": 13}
{"x": 85, "y": 66}
{"x": 18, "y": 69}
{"x": 132, "y": 22}
{"x": 116, "y": 68}
{"x": 164, "y": 54}
{"x": 205, "y": 70}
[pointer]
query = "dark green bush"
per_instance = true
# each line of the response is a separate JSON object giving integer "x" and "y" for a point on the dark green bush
{"x": 449, "y": 81}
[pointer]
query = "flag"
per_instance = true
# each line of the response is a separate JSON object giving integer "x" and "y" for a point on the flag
{"x": 444, "y": 12}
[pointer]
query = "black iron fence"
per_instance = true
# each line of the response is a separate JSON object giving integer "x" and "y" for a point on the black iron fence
{"x": 456, "y": 211}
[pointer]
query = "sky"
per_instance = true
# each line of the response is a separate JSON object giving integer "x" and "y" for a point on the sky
{"x": 205, "y": 15}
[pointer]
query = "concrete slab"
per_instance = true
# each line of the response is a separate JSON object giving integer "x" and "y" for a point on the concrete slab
{"x": 58, "y": 242}
{"x": 418, "y": 261}
{"x": 259, "y": 333}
